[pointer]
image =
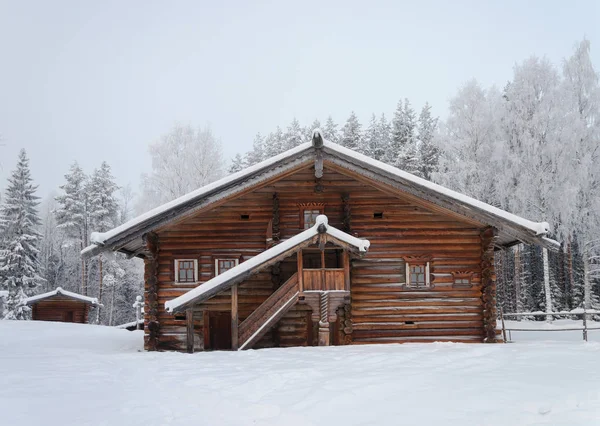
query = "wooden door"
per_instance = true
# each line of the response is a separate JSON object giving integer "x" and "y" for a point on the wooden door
{"x": 219, "y": 330}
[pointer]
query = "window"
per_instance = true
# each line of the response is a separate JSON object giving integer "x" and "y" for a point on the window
{"x": 310, "y": 218}
{"x": 186, "y": 270}
{"x": 222, "y": 265}
{"x": 418, "y": 273}
{"x": 378, "y": 215}
{"x": 462, "y": 279}
{"x": 309, "y": 213}
{"x": 244, "y": 217}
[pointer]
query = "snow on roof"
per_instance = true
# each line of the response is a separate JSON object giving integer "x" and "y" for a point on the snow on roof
{"x": 130, "y": 324}
{"x": 526, "y": 228}
{"x": 99, "y": 238}
{"x": 61, "y": 292}
{"x": 539, "y": 228}
{"x": 220, "y": 282}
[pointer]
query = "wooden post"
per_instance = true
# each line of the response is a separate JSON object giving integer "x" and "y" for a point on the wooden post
{"x": 324, "y": 334}
{"x": 151, "y": 290}
{"x": 234, "y": 318}
{"x": 346, "y": 262}
{"x": 503, "y": 325}
{"x": 488, "y": 284}
{"x": 585, "y": 333}
{"x": 189, "y": 317}
{"x": 300, "y": 273}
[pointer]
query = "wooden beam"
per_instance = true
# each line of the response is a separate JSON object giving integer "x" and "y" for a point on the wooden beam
{"x": 300, "y": 274}
{"x": 206, "y": 329}
{"x": 189, "y": 322}
{"x": 151, "y": 292}
{"x": 346, "y": 263}
{"x": 234, "y": 318}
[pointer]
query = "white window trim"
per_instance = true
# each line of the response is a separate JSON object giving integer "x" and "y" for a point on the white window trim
{"x": 427, "y": 275}
{"x": 176, "y": 274}
{"x": 217, "y": 259}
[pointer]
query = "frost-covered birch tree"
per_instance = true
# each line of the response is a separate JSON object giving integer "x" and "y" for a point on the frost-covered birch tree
{"x": 183, "y": 160}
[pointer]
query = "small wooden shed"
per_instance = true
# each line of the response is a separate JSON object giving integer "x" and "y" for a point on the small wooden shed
{"x": 61, "y": 305}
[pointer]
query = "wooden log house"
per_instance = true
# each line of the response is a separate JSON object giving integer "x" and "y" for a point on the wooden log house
{"x": 319, "y": 245}
{"x": 61, "y": 305}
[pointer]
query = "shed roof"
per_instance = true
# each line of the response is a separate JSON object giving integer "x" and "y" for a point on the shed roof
{"x": 286, "y": 248}
{"x": 128, "y": 238}
{"x": 64, "y": 293}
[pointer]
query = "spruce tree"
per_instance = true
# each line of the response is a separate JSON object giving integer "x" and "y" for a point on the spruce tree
{"x": 372, "y": 138}
{"x": 237, "y": 163}
{"x": 330, "y": 131}
{"x": 293, "y": 135}
{"x": 19, "y": 264}
{"x": 427, "y": 148}
{"x": 352, "y": 137}
{"x": 403, "y": 152}
{"x": 73, "y": 216}
{"x": 257, "y": 153}
{"x": 104, "y": 209}
{"x": 383, "y": 145}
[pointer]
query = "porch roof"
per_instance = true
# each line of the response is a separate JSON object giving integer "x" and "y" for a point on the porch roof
{"x": 286, "y": 248}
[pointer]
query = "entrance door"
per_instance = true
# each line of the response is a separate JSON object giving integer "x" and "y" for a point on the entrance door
{"x": 219, "y": 330}
{"x": 68, "y": 316}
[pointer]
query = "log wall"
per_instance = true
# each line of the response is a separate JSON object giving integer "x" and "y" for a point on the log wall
{"x": 382, "y": 310}
{"x": 60, "y": 309}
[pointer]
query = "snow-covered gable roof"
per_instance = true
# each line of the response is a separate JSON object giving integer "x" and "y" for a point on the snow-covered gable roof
{"x": 64, "y": 293}
{"x": 128, "y": 238}
{"x": 238, "y": 273}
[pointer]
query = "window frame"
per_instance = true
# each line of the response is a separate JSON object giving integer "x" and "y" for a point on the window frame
{"x": 176, "y": 271}
{"x": 418, "y": 261}
{"x": 217, "y": 259}
{"x": 320, "y": 207}
{"x": 462, "y": 276}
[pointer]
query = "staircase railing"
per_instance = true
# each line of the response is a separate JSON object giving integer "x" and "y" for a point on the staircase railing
{"x": 268, "y": 313}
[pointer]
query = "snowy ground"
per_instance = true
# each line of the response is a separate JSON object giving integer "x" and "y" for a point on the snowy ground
{"x": 70, "y": 374}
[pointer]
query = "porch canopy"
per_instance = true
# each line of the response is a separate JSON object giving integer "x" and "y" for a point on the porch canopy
{"x": 321, "y": 233}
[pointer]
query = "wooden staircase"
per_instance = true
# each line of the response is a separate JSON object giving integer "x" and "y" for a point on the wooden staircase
{"x": 268, "y": 313}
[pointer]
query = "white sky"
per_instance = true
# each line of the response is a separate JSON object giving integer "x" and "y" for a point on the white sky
{"x": 100, "y": 80}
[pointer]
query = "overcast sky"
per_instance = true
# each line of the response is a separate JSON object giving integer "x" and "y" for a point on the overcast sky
{"x": 100, "y": 80}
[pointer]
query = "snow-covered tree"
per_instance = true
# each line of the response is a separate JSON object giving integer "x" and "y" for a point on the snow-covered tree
{"x": 403, "y": 152}
{"x": 467, "y": 142}
{"x": 428, "y": 150}
{"x": 330, "y": 131}
{"x": 256, "y": 155}
{"x": 372, "y": 138}
{"x": 104, "y": 210}
{"x": 274, "y": 143}
{"x": 73, "y": 216}
{"x": 237, "y": 163}
{"x": 183, "y": 160}
{"x": 19, "y": 250}
{"x": 293, "y": 135}
{"x": 352, "y": 136}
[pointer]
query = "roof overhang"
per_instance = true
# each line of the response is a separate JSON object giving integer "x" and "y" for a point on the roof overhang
{"x": 512, "y": 229}
{"x": 61, "y": 293}
{"x": 320, "y": 231}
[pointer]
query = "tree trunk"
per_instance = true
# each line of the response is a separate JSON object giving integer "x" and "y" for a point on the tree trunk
{"x": 112, "y": 304}
{"x": 587, "y": 285}
{"x": 570, "y": 280}
{"x": 99, "y": 288}
{"x": 547, "y": 289}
